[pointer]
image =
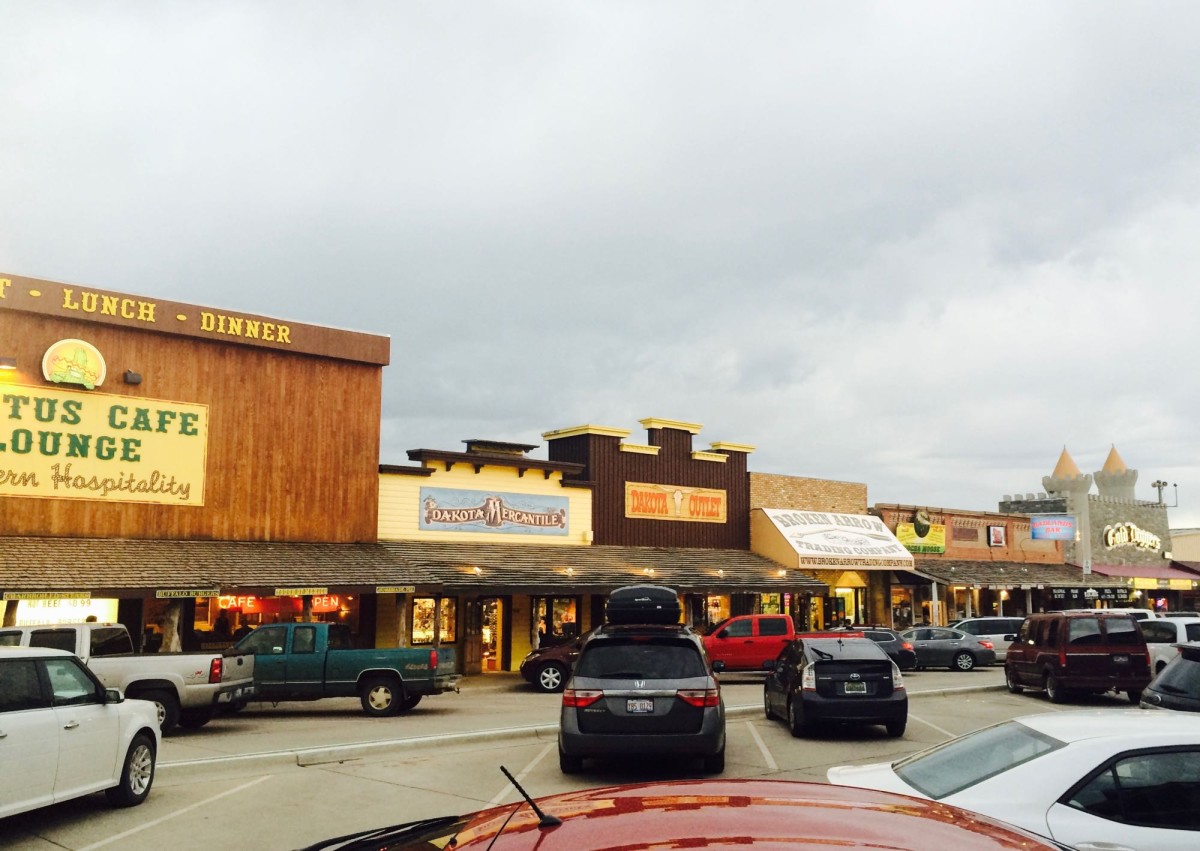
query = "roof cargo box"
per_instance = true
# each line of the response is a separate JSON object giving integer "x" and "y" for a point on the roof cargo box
{"x": 652, "y": 604}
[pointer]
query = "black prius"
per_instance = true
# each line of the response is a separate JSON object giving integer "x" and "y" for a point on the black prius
{"x": 832, "y": 677}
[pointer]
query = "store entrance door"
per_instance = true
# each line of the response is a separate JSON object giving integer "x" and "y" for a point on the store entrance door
{"x": 491, "y": 628}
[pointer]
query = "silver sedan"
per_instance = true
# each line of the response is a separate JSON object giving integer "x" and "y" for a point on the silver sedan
{"x": 942, "y": 647}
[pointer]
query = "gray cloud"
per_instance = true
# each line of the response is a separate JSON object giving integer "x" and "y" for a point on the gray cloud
{"x": 916, "y": 245}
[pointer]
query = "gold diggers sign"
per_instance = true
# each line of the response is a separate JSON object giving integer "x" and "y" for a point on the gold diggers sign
{"x": 59, "y": 444}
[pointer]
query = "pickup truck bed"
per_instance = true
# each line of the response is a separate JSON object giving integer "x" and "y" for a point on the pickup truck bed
{"x": 187, "y": 687}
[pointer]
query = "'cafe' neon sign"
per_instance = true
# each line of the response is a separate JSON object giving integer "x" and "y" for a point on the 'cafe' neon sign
{"x": 249, "y": 604}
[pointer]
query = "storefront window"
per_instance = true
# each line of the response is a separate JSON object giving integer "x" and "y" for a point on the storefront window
{"x": 424, "y": 611}
{"x": 902, "y": 607}
{"x": 556, "y": 619}
{"x": 770, "y": 604}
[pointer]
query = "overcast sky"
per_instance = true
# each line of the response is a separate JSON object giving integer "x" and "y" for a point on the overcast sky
{"x": 922, "y": 246}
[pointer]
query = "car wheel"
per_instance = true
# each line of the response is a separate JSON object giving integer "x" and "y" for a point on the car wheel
{"x": 1054, "y": 689}
{"x": 167, "y": 706}
{"x": 1010, "y": 679}
{"x": 137, "y": 774}
{"x": 1134, "y": 695}
{"x": 767, "y": 705}
{"x": 381, "y": 696}
{"x": 963, "y": 661}
{"x": 715, "y": 763}
{"x": 551, "y": 677}
{"x": 896, "y": 727}
{"x": 194, "y": 719}
{"x": 796, "y": 719}
{"x": 568, "y": 764}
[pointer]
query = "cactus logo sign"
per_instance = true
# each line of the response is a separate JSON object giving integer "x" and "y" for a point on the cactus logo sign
{"x": 74, "y": 362}
{"x": 61, "y": 444}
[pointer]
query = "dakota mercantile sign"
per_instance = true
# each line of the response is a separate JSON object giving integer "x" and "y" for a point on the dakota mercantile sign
{"x": 454, "y": 510}
{"x": 63, "y": 444}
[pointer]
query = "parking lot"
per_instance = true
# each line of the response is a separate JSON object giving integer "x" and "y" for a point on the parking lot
{"x": 278, "y": 778}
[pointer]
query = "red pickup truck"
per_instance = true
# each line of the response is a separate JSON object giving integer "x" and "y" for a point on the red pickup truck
{"x": 749, "y": 642}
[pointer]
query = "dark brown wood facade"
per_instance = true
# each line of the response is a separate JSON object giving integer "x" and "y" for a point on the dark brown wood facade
{"x": 607, "y": 468}
{"x": 293, "y": 439}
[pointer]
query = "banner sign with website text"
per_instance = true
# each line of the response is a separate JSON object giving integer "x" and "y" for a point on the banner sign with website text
{"x": 824, "y": 539}
{"x": 63, "y": 444}
{"x": 674, "y": 502}
{"x": 1052, "y": 527}
{"x": 453, "y": 510}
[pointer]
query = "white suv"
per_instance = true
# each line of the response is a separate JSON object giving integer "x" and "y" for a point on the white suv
{"x": 64, "y": 735}
{"x": 1162, "y": 634}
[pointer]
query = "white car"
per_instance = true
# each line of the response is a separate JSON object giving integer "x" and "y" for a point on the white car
{"x": 64, "y": 735}
{"x": 1108, "y": 779}
{"x": 1162, "y": 634}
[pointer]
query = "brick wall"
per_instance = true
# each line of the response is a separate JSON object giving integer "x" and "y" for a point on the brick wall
{"x": 771, "y": 490}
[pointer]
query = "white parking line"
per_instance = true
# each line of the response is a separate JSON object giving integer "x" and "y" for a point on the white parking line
{"x": 508, "y": 787}
{"x": 159, "y": 821}
{"x": 770, "y": 760}
{"x": 941, "y": 730}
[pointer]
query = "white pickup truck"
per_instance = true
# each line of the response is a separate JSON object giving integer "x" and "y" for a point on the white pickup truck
{"x": 187, "y": 687}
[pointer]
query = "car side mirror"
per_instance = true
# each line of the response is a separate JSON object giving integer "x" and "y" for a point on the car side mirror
{"x": 768, "y": 664}
{"x": 113, "y": 695}
{"x": 718, "y": 666}
{"x": 722, "y": 634}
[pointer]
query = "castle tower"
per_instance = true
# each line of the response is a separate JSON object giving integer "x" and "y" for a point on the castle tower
{"x": 1116, "y": 481}
{"x": 1067, "y": 481}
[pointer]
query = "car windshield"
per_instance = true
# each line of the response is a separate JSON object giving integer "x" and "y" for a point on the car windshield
{"x": 641, "y": 659}
{"x": 961, "y": 763}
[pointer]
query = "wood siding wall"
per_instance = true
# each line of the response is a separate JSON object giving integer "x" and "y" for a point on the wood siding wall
{"x": 293, "y": 445}
{"x": 608, "y": 468}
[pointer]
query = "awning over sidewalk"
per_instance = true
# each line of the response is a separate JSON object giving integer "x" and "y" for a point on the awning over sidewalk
{"x": 1010, "y": 574}
{"x": 1144, "y": 571}
{"x": 104, "y": 567}
{"x": 503, "y": 568}
{"x": 108, "y": 567}
{"x": 822, "y": 540}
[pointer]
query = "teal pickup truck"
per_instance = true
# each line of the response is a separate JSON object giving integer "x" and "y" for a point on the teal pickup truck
{"x": 309, "y": 661}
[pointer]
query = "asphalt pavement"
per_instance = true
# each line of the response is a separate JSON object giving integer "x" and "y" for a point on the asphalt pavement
{"x": 490, "y": 707}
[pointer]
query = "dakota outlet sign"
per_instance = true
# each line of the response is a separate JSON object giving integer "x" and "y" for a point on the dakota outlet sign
{"x": 59, "y": 444}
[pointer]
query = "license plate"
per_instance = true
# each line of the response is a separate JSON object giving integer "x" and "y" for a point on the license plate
{"x": 1121, "y": 658}
{"x": 639, "y": 706}
{"x": 856, "y": 688}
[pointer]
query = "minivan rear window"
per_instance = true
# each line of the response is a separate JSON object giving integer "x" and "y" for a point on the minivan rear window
{"x": 1122, "y": 632}
{"x": 1084, "y": 632}
{"x": 630, "y": 659}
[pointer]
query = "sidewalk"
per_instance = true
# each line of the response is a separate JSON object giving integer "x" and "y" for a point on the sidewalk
{"x": 490, "y": 707}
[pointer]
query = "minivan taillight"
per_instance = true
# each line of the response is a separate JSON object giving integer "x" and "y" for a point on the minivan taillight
{"x": 214, "y": 670}
{"x": 699, "y": 697}
{"x": 580, "y": 698}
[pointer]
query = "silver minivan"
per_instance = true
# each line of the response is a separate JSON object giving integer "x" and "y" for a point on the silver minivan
{"x": 993, "y": 629}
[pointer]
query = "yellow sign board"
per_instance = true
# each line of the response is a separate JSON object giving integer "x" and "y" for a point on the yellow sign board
{"x": 674, "y": 502}
{"x": 395, "y": 589}
{"x": 300, "y": 592}
{"x": 186, "y": 593}
{"x": 63, "y": 444}
{"x": 47, "y": 595}
{"x": 933, "y": 541}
